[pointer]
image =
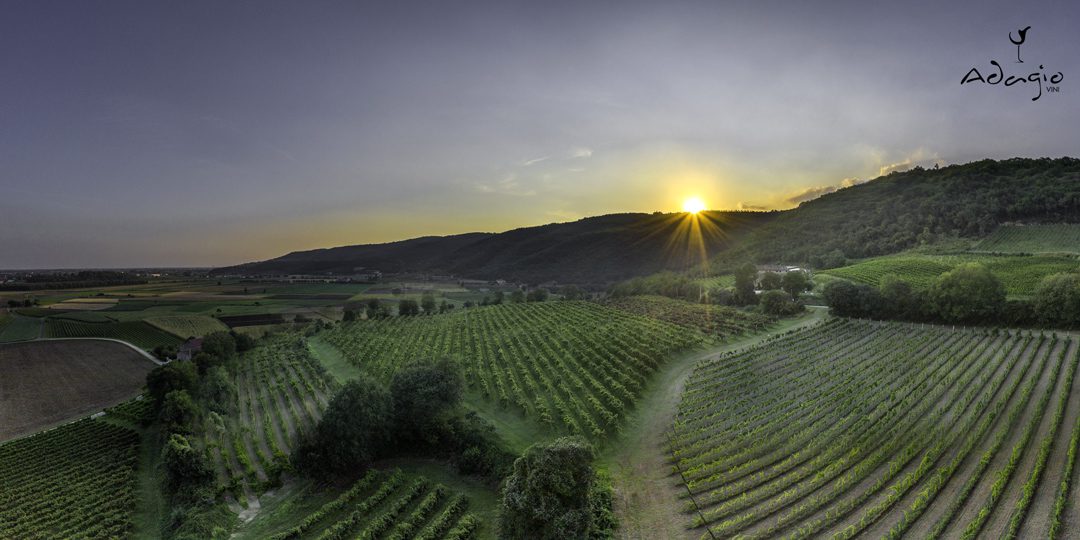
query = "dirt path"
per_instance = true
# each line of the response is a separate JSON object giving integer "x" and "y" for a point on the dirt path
{"x": 646, "y": 489}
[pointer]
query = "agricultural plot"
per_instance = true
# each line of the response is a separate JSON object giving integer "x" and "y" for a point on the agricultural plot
{"x": 883, "y": 430}
{"x": 1057, "y": 238}
{"x": 18, "y": 328}
{"x": 184, "y": 326}
{"x": 575, "y": 367}
{"x": 46, "y": 382}
{"x": 718, "y": 321}
{"x": 76, "y": 481}
{"x": 391, "y": 505}
{"x": 1020, "y": 274}
{"x": 138, "y": 333}
{"x": 281, "y": 389}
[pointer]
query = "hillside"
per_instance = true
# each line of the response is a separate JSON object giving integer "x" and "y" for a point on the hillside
{"x": 884, "y": 216}
{"x": 591, "y": 250}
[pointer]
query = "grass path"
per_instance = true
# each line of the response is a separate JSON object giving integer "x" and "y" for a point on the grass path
{"x": 646, "y": 492}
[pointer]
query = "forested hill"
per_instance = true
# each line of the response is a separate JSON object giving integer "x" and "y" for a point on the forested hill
{"x": 883, "y": 216}
{"x": 595, "y": 250}
{"x": 905, "y": 209}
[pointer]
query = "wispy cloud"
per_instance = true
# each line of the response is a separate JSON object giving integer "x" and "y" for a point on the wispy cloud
{"x": 920, "y": 156}
{"x": 581, "y": 152}
{"x": 812, "y": 193}
{"x": 508, "y": 185}
{"x": 750, "y": 206}
{"x": 534, "y": 161}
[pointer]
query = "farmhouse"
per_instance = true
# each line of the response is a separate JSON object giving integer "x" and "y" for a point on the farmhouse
{"x": 189, "y": 348}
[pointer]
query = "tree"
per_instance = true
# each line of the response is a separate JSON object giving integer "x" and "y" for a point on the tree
{"x": 408, "y": 307}
{"x": 497, "y": 298}
{"x": 770, "y": 281}
{"x": 745, "y": 275}
{"x": 179, "y": 412}
{"x": 900, "y": 301}
{"x": 779, "y": 304}
{"x": 422, "y": 394}
{"x": 218, "y": 389}
{"x": 537, "y": 295}
{"x": 1057, "y": 299}
{"x": 186, "y": 468}
{"x": 352, "y": 433}
{"x": 847, "y": 299}
{"x": 517, "y": 297}
{"x": 374, "y": 309}
{"x": 427, "y": 301}
{"x": 348, "y": 316}
{"x": 547, "y": 496}
{"x": 572, "y": 292}
{"x": 795, "y": 282}
{"x": 244, "y": 342}
{"x": 220, "y": 344}
{"x": 968, "y": 293}
{"x": 177, "y": 375}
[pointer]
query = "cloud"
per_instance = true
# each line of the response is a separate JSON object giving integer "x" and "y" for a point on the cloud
{"x": 581, "y": 152}
{"x": 508, "y": 185}
{"x": 534, "y": 161}
{"x": 918, "y": 157}
{"x": 750, "y": 206}
{"x": 812, "y": 193}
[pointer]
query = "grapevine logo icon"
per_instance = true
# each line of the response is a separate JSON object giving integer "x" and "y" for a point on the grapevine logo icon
{"x": 996, "y": 75}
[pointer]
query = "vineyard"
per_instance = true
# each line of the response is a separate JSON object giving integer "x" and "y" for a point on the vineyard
{"x": 883, "y": 430}
{"x": 137, "y": 333}
{"x": 391, "y": 505}
{"x": 281, "y": 389}
{"x": 1020, "y": 274}
{"x": 1058, "y": 238}
{"x": 75, "y": 481}
{"x": 576, "y": 367}
{"x": 718, "y": 321}
{"x": 185, "y": 326}
{"x": 18, "y": 328}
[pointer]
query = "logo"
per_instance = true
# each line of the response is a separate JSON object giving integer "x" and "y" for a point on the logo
{"x": 997, "y": 75}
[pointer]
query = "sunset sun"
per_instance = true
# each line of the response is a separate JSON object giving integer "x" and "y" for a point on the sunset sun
{"x": 693, "y": 205}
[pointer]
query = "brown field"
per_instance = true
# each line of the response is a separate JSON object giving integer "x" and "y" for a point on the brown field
{"x": 47, "y": 382}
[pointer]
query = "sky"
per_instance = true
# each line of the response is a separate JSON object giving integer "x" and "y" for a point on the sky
{"x": 213, "y": 133}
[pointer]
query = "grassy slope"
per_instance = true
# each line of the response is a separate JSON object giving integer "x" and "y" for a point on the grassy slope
{"x": 1020, "y": 274}
{"x": 646, "y": 500}
{"x": 1058, "y": 238}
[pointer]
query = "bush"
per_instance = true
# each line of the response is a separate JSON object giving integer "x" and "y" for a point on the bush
{"x": 968, "y": 293}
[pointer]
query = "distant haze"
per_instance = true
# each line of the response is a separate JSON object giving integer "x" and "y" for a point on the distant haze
{"x": 211, "y": 133}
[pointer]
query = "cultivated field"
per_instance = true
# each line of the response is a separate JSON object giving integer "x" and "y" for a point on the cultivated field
{"x": 18, "y": 328}
{"x": 46, "y": 382}
{"x": 185, "y": 326}
{"x": 883, "y": 430}
{"x": 717, "y": 321}
{"x": 76, "y": 481}
{"x": 135, "y": 332}
{"x": 575, "y": 367}
{"x": 392, "y": 505}
{"x": 1058, "y": 238}
{"x": 1020, "y": 274}
{"x": 281, "y": 389}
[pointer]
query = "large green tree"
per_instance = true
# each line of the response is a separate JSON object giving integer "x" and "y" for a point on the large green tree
{"x": 1057, "y": 299}
{"x": 548, "y": 494}
{"x": 423, "y": 394}
{"x": 745, "y": 276}
{"x": 352, "y": 433}
{"x": 968, "y": 293}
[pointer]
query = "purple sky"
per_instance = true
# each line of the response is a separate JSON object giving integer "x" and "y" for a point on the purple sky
{"x": 208, "y": 133}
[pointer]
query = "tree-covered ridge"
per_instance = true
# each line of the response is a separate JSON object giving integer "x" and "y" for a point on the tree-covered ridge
{"x": 906, "y": 209}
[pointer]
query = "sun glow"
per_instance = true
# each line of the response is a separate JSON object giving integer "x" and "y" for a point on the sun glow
{"x": 693, "y": 205}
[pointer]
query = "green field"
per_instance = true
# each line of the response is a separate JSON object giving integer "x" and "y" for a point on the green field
{"x": 1020, "y": 274}
{"x": 882, "y": 430}
{"x": 184, "y": 326}
{"x": 18, "y": 328}
{"x": 1058, "y": 238}
{"x": 137, "y": 333}
{"x": 75, "y": 481}
{"x": 572, "y": 367}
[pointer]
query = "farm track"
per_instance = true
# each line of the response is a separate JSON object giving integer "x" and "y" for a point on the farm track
{"x": 904, "y": 434}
